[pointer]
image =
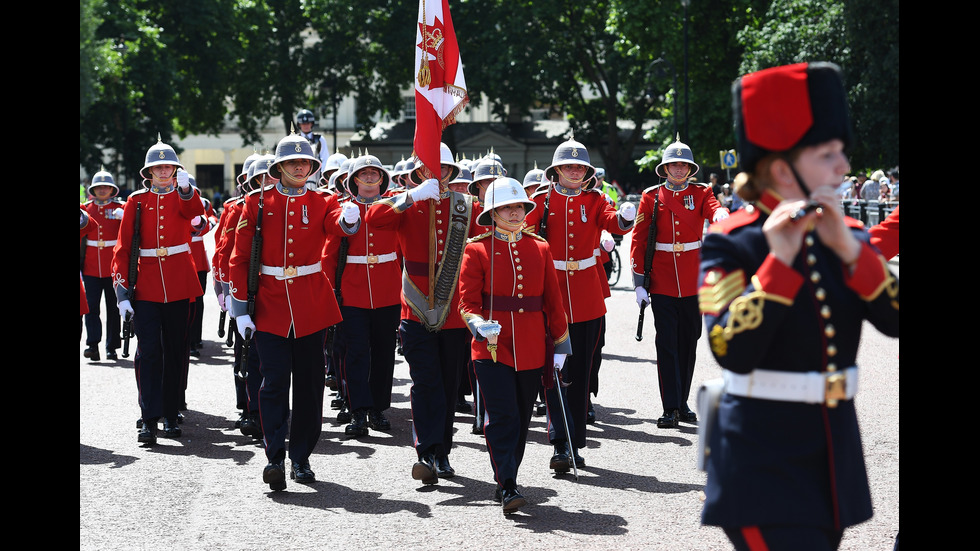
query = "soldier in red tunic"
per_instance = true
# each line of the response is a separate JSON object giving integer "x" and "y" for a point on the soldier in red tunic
{"x": 370, "y": 291}
{"x": 105, "y": 210}
{"x": 166, "y": 283}
{"x": 571, "y": 217}
{"x": 679, "y": 209}
{"x": 433, "y": 224}
{"x": 294, "y": 304}
{"x": 510, "y": 300}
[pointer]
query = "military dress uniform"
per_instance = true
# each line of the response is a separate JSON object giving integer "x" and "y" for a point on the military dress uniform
{"x": 200, "y": 254}
{"x": 575, "y": 218}
{"x": 673, "y": 290}
{"x": 510, "y": 277}
{"x": 294, "y": 306}
{"x": 100, "y": 238}
{"x": 166, "y": 283}
{"x": 436, "y": 346}
{"x": 85, "y": 224}
{"x": 777, "y": 455}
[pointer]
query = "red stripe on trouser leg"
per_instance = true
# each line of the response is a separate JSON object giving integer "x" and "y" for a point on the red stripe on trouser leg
{"x": 753, "y": 538}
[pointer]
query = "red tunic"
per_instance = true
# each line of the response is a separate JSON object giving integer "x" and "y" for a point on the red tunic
{"x": 411, "y": 222}
{"x": 575, "y": 223}
{"x": 224, "y": 238}
{"x": 680, "y": 221}
{"x": 101, "y": 237}
{"x": 165, "y": 222}
{"x": 885, "y": 235}
{"x": 294, "y": 229}
{"x": 524, "y": 285}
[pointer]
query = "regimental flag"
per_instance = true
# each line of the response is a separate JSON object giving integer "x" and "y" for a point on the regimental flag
{"x": 440, "y": 90}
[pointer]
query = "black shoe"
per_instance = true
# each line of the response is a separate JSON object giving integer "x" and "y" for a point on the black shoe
{"x": 462, "y": 406}
{"x": 669, "y": 419}
{"x": 111, "y": 355}
{"x": 344, "y": 416}
{"x": 241, "y": 419}
{"x": 590, "y": 417}
{"x": 180, "y": 417}
{"x": 301, "y": 472}
{"x": 378, "y": 421}
{"x": 148, "y": 434}
{"x": 540, "y": 409}
{"x": 139, "y": 423}
{"x": 478, "y": 425}
{"x": 337, "y": 402}
{"x": 424, "y": 469}
{"x": 195, "y": 352}
{"x": 512, "y": 500}
{"x": 275, "y": 476}
{"x": 358, "y": 425}
{"x": 330, "y": 382}
{"x": 560, "y": 461}
{"x": 92, "y": 353}
{"x": 251, "y": 426}
{"x": 443, "y": 468}
{"x": 497, "y": 495}
{"x": 579, "y": 460}
{"x": 689, "y": 417}
{"x": 171, "y": 429}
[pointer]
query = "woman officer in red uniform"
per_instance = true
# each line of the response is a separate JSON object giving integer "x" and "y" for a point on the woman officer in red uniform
{"x": 509, "y": 292}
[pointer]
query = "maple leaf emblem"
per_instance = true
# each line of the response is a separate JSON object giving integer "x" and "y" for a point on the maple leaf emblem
{"x": 433, "y": 68}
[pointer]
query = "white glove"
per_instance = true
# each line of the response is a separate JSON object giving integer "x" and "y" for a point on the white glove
{"x": 227, "y": 303}
{"x": 428, "y": 189}
{"x": 125, "y": 308}
{"x": 607, "y": 241}
{"x": 351, "y": 213}
{"x": 196, "y": 221}
{"x": 183, "y": 180}
{"x": 560, "y": 360}
{"x": 642, "y": 297}
{"x": 222, "y": 302}
{"x": 488, "y": 329}
{"x": 628, "y": 212}
{"x": 720, "y": 214}
{"x": 117, "y": 214}
{"x": 244, "y": 323}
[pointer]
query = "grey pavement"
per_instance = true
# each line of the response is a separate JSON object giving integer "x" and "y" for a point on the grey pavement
{"x": 640, "y": 489}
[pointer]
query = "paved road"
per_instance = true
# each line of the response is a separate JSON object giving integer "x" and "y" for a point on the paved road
{"x": 640, "y": 490}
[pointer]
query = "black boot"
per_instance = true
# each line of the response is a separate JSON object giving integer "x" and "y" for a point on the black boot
{"x": 561, "y": 461}
{"x": 358, "y": 424}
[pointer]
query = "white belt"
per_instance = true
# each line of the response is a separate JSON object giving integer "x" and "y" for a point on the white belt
{"x": 574, "y": 265}
{"x": 372, "y": 258}
{"x": 197, "y": 238}
{"x": 678, "y": 247}
{"x": 811, "y": 387}
{"x": 166, "y": 251}
{"x": 290, "y": 271}
{"x": 100, "y": 244}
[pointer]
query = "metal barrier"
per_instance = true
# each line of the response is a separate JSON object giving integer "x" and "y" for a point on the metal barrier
{"x": 869, "y": 212}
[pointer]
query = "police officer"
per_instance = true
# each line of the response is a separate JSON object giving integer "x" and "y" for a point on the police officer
{"x": 106, "y": 211}
{"x": 433, "y": 224}
{"x": 294, "y": 304}
{"x": 786, "y": 286}
{"x": 305, "y": 120}
{"x": 679, "y": 209}
{"x": 571, "y": 217}
{"x": 370, "y": 287}
{"x": 166, "y": 282}
{"x": 510, "y": 300}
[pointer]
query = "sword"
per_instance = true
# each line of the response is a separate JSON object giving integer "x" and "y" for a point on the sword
{"x": 568, "y": 434}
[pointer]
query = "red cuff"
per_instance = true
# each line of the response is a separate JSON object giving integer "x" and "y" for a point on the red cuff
{"x": 869, "y": 275}
{"x": 776, "y": 278}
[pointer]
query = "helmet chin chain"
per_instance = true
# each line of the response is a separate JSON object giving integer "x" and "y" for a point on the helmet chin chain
{"x": 163, "y": 182}
{"x": 572, "y": 180}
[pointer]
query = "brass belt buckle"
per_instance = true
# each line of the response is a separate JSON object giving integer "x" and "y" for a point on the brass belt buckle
{"x": 290, "y": 271}
{"x": 372, "y": 259}
{"x": 101, "y": 244}
{"x": 678, "y": 247}
{"x": 835, "y": 388}
{"x": 161, "y": 251}
{"x": 571, "y": 265}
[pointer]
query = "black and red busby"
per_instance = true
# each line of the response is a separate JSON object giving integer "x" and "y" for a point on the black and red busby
{"x": 782, "y": 108}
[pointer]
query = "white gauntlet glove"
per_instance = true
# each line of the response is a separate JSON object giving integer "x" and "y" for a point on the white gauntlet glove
{"x": 628, "y": 212}
{"x": 488, "y": 329}
{"x": 607, "y": 241}
{"x": 183, "y": 180}
{"x": 428, "y": 189}
{"x": 560, "y": 361}
{"x": 126, "y": 309}
{"x": 351, "y": 213}
{"x": 720, "y": 214}
{"x": 642, "y": 297}
{"x": 245, "y": 324}
{"x": 117, "y": 214}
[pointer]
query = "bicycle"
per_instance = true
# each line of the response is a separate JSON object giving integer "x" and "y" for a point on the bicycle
{"x": 614, "y": 267}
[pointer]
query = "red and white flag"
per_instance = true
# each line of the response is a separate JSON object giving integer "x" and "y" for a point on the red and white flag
{"x": 440, "y": 90}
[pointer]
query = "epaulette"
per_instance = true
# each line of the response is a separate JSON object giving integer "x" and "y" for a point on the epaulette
{"x": 230, "y": 200}
{"x": 537, "y": 193}
{"x": 533, "y": 235}
{"x": 739, "y": 218}
{"x": 140, "y": 191}
{"x": 117, "y": 200}
{"x": 652, "y": 188}
{"x": 476, "y": 238}
{"x": 267, "y": 188}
